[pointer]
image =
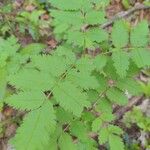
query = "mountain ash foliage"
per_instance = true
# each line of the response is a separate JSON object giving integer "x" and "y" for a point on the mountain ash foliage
{"x": 68, "y": 98}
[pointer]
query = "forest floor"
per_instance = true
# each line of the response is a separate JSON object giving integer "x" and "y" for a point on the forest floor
{"x": 8, "y": 115}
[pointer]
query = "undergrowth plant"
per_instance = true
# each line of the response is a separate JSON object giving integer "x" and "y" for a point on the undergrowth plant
{"x": 69, "y": 99}
{"x": 13, "y": 58}
{"x": 136, "y": 117}
{"x": 33, "y": 23}
{"x": 72, "y": 20}
{"x": 29, "y": 21}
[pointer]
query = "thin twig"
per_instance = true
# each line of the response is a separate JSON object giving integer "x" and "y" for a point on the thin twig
{"x": 124, "y": 14}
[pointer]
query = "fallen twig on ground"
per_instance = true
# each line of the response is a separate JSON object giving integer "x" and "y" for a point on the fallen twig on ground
{"x": 124, "y": 14}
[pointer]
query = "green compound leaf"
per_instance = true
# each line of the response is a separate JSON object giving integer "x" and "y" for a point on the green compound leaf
{"x": 103, "y": 118}
{"x": 95, "y": 17}
{"x": 103, "y": 135}
{"x": 131, "y": 85}
{"x": 46, "y": 64}
{"x": 86, "y": 39}
{"x": 141, "y": 57}
{"x": 76, "y": 38}
{"x": 103, "y": 3}
{"x": 79, "y": 130}
{"x": 63, "y": 116}
{"x": 116, "y": 142}
{"x": 36, "y": 123}
{"x": 121, "y": 62}
{"x": 97, "y": 35}
{"x": 81, "y": 78}
{"x": 8, "y": 50}
{"x": 85, "y": 64}
{"x": 3, "y": 82}
{"x": 107, "y": 134}
{"x": 113, "y": 129}
{"x": 104, "y": 106}
{"x": 65, "y": 142}
{"x": 31, "y": 80}
{"x": 96, "y": 124}
{"x": 116, "y": 96}
{"x": 120, "y": 34}
{"x": 139, "y": 35}
{"x": 67, "y": 18}
{"x": 26, "y": 100}
{"x": 66, "y": 4}
{"x": 31, "y": 49}
{"x": 70, "y": 98}
{"x": 100, "y": 62}
{"x": 9, "y": 46}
